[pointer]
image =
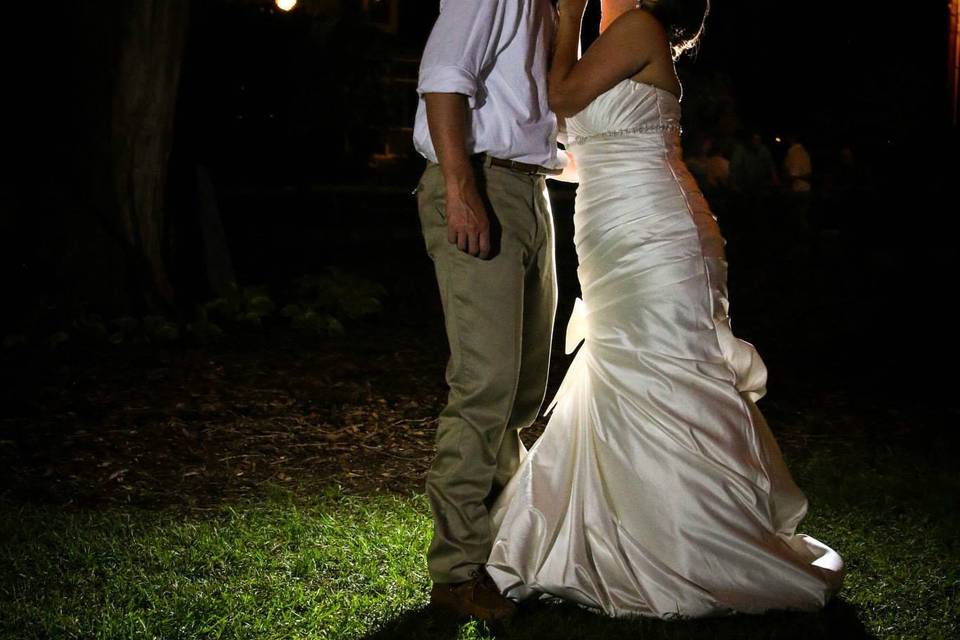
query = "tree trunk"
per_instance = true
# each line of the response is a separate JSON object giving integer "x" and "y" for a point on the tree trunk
{"x": 953, "y": 62}
{"x": 144, "y": 104}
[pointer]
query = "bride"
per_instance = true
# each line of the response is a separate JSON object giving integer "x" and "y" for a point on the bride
{"x": 657, "y": 488}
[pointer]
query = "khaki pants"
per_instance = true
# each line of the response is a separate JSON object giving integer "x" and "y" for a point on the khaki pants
{"x": 499, "y": 322}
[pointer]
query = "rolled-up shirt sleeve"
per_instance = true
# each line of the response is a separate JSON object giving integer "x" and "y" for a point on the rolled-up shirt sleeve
{"x": 462, "y": 45}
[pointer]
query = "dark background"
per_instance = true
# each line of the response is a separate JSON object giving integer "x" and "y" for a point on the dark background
{"x": 302, "y": 123}
{"x": 216, "y": 298}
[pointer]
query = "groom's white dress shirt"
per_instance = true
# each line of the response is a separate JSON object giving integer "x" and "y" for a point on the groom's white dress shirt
{"x": 495, "y": 52}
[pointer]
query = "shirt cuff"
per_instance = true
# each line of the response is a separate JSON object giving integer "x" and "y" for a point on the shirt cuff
{"x": 449, "y": 79}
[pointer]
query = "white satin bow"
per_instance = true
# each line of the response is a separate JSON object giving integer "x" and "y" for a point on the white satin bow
{"x": 576, "y": 326}
{"x": 576, "y": 333}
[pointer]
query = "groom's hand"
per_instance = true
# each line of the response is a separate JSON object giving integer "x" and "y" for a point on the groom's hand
{"x": 468, "y": 225}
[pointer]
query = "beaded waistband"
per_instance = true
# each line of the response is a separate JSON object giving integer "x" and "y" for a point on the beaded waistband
{"x": 653, "y": 128}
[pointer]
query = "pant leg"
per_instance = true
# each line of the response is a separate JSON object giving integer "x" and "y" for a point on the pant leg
{"x": 483, "y": 303}
{"x": 539, "y": 311}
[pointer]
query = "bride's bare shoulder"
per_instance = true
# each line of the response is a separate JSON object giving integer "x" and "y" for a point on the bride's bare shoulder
{"x": 637, "y": 23}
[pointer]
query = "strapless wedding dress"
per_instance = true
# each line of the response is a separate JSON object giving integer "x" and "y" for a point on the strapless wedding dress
{"x": 657, "y": 488}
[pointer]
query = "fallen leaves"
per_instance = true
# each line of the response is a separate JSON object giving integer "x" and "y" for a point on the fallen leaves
{"x": 199, "y": 428}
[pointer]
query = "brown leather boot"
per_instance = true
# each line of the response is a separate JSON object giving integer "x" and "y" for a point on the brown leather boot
{"x": 478, "y": 597}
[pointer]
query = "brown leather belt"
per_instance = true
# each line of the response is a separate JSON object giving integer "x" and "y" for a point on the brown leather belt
{"x": 520, "y": 167}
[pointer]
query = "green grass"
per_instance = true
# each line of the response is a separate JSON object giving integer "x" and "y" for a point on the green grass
{"x": 331, "y": 569}
{"x": 338, "y": 566}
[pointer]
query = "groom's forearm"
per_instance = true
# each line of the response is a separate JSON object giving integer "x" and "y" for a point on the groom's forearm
{"x": 447, "y": 119}
{"x": 467, "y": 223}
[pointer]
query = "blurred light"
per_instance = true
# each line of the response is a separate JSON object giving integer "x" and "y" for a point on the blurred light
{"x": 778, "y": 139}
{"x": 286, "y": 5}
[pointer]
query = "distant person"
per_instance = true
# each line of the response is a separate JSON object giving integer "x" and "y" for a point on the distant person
{"x": 698, "y": 162}
{"x": 752, "y": 170}
{"x": 848, "y": 159}
{"x": 709, "y": 167}
{"x": 753, "y": 179}
{"x": 717, "y": 187}
{"x": 718, "y": 170}
{"x": 848, "y": 173}
{"x": 794, "y": 221}
{"x": 797, "y": 167}
{"x": 845, "y": 184}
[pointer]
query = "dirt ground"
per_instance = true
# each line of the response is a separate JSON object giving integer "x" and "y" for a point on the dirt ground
{"x": 851, "y": 356}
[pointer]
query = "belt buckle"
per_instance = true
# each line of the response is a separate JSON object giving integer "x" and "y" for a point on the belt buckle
{"x": 522, "y": 167}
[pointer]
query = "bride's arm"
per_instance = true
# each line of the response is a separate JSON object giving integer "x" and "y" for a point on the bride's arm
{"x": 620, "y": 52}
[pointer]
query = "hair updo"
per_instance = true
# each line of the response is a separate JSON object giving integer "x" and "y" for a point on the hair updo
{"x": 683, "y": 20}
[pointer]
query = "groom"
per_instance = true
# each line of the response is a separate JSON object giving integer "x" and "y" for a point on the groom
{"x": 489, "y": 137}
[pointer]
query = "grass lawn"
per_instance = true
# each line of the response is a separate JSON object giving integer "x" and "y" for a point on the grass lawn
{"x": 351, "y": 566}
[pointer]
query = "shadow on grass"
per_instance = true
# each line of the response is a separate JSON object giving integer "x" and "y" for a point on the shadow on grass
{"x": 425, "y": 622}
{"x": 565, "y": 621}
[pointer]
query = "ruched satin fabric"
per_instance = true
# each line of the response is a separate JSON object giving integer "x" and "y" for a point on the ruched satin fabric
{"x": 657, "y": 488}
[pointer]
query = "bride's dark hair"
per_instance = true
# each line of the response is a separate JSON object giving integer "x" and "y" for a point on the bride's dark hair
{"x": 683, "y": 20}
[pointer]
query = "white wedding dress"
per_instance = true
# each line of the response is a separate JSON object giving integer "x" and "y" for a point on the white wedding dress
{"x": 657, "y": 488}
